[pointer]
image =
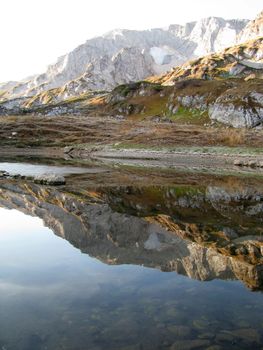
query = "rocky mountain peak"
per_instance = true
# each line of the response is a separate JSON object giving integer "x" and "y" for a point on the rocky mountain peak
{"x": 253, "y": 29}
{"x": 121, "y": 56}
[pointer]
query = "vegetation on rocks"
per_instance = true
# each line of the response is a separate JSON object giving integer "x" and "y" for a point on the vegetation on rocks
{"x": 239, "y": 61}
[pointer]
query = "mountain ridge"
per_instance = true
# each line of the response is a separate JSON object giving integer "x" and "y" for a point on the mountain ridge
{"x": 102, "y": 62}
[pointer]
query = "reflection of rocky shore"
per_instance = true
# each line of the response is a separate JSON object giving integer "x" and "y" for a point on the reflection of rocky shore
{"x": 204, "y": 234}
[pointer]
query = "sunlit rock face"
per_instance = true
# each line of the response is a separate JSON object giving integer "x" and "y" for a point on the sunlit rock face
{"x": 171, "y": 239}
{"x": 253, "y": 29}
{"x": 121, "y": 56}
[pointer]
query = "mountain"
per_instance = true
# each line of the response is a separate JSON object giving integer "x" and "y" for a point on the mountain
{"x": 223, "y": 87}
{"x": 244, "y": 60}
{"x": 252, "y": 29}
{"x": 122, "y": 56}
{"x": 228, "y": 90}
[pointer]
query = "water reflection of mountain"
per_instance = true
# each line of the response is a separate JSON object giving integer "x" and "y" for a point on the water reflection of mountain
{"x": 202, "y": 232}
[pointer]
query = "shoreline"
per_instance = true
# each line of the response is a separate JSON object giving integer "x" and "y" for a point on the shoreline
{"x": 164, "y": 158}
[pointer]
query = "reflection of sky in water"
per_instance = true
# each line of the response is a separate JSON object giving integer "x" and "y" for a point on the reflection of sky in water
{"x": 37, "y": 169}
{"x": 54, "y": 297}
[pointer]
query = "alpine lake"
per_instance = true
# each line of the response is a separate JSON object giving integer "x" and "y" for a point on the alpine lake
{"x": 130, "y": 258}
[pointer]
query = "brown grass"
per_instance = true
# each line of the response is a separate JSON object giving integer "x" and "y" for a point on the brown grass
{"x": 66, "y": 130}
{"x": 232, "y": 137}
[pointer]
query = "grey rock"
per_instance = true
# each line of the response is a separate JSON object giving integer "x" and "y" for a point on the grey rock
{"x": 50, "y": 179}
{"x": 121, "y": 56}
{"x": 68, "y": 149}
{"x": 236, "y": 116}
{"x": 238, "y": 162}
{"x": 4, "y": 173}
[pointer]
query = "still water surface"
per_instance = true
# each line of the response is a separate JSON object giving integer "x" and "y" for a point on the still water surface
{"x": 39, "y": 169}
{"x": 99, "y": 278}
{"x": 54, "y": 297}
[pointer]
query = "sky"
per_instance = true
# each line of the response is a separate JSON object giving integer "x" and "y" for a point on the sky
{"x": 34, "y": 33}
{"x": 15, "y": 222}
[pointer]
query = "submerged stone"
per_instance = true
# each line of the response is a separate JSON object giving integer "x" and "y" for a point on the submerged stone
{"x": 200, "y": 324}
{"x": 190, "y": 344}
{"x": 247, "y": 334}
{"x": 180, "y": 331}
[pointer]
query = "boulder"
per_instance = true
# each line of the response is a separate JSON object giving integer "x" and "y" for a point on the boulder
{"x": 236, "y": 116}
{"x": 50, "y": 179}
{"x": 3, "y": 173}
{"x": 238, "y": 109}
{"x": 238, "y": 162}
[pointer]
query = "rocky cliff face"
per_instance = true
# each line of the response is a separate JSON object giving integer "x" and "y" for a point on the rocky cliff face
{"x": 252, "y": 29}
{"x": 122, "y": 56}
{"x": 116, "y": 238}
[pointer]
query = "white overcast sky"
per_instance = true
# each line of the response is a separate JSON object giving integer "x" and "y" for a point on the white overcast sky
{"x": 35, "y": 32}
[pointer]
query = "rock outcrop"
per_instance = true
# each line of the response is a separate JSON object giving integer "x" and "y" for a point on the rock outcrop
{"x": 234, "y": 102}
{"x": 50, "y": 179}
{"x": 239, "y": 108}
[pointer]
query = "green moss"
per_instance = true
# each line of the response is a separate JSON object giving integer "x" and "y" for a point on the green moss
{"x": 79, "y": 98}
{"x": 183, "y": 190}
{"x": 189, "y": 115}
{"x": 156, "y": 107}
{"x": 125, "y": 89}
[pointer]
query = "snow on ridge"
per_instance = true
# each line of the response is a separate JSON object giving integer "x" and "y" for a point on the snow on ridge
{"x": 159, "y": 54}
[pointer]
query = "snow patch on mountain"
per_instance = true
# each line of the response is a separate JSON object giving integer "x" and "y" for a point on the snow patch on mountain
{"x": 122, "y": 56}
{"x": 161, "y": 55}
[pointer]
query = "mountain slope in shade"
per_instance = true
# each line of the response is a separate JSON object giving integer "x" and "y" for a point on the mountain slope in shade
{"x": 123, "y": 56}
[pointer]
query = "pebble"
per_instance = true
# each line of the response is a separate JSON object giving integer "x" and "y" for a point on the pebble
{"x": 190, "y": 344}
{"x": 247, "y": 334}
{"x": 180, "y": 331}
{"x": 238, "y": 162}
{"x": 249, "y": 163}
{"x": 200, "y": 324}
{"x": 225, "y": 337}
